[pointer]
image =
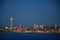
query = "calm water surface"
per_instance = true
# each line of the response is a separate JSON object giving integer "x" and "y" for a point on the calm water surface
{"x": 28, "y": 36}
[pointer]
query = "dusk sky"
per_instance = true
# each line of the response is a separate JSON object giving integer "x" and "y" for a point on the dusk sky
{"x": 29, "y": 12}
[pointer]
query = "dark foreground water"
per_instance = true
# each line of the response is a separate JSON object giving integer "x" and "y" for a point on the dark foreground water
{"x": 28, "y": 36}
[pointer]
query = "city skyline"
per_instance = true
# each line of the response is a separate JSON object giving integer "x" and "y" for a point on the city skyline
{"x": 35, "y": 29}
{"x": 11, "y": 25}
{"x": 29, "y": 12}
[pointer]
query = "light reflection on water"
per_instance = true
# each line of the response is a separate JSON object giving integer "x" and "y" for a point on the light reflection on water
{"x": 28, "y": 36}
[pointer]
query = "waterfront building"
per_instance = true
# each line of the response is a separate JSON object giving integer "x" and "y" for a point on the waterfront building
{"x": 55, "y": 26}
{"x": 58, "y": 30}
{"x": 35, "y": 26}
{"x": 14, "y": 28}
{"x": 19, "y": 30}
{"x": 41, "y": 26}
{"x": 26, "y": 29}
{"x": 20, "y": 26}
{"x": 6, "y": 27}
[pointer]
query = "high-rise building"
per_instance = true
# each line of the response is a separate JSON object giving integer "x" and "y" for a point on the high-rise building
{"x": 41, "y": 26}
{"x": 11, "y": 24}
{"x": 55, "y": 26}
{"x": 20, "y": 26}
{"x": 35, "y": 26}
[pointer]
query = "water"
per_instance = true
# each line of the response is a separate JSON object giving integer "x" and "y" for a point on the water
{"x": 28, "y": 36}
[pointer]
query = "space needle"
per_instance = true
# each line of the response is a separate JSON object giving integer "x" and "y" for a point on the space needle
{"x": 11, "y": 19}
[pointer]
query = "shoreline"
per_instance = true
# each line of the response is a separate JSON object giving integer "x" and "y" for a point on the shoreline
{"x": 30, "y": 32}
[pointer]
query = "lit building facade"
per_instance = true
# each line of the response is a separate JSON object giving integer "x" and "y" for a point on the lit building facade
{"x": 35, "y": 26}
{"x": 41, "y": 26}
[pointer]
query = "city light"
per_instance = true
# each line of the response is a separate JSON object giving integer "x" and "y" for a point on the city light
{"x": 36, "y": 28}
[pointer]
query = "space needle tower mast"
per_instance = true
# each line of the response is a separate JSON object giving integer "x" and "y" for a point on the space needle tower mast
{"x": 11, "y": 19}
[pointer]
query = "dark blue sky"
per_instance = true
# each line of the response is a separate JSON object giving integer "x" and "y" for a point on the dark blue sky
{"x": 29, "y": 12}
